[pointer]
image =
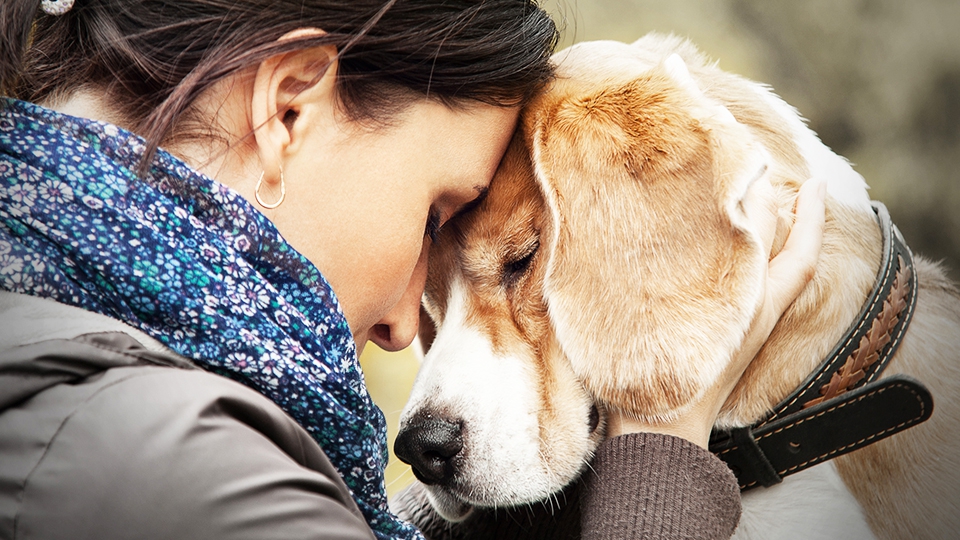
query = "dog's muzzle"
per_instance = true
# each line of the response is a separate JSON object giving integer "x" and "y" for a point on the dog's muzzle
{"x": 432, "y": 447}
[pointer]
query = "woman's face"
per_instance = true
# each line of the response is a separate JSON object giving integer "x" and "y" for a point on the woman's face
{"x": 359, "y": 201}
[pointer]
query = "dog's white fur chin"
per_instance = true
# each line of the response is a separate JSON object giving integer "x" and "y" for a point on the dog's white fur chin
{"x": 448, "y": 506}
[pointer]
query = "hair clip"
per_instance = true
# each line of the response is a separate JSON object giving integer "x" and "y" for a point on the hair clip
{"x": 56, "y": 7}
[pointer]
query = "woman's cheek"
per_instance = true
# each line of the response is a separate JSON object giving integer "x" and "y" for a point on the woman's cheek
{"x": 391, "y": 276}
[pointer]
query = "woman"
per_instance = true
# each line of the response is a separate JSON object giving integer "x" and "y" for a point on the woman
{"x": 310, "y": 150}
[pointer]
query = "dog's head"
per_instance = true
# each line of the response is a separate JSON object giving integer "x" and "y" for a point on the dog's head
{"x": 611, "y": 265}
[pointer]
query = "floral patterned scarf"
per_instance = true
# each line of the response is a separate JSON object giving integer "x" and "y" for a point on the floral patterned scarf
{"x": 192, "y": 264}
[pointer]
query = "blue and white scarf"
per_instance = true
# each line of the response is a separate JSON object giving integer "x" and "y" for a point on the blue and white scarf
{"x": 192, "y": 264}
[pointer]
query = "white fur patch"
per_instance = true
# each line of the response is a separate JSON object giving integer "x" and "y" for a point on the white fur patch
{"x": 495, "y": 397}
{"x": 843, "y": 183}
{"x": 811, "y": 505}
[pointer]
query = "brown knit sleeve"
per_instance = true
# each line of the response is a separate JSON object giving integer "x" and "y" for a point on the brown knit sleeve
{"x": 652, "y": 486}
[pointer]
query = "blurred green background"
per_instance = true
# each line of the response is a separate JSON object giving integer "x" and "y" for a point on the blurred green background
{"x": 879, "y": 80}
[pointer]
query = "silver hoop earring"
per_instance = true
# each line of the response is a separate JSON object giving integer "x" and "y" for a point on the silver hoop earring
{"x": 283, "y": 192}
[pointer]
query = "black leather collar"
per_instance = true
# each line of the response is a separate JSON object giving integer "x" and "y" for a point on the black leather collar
{"x": 842, "y": 406}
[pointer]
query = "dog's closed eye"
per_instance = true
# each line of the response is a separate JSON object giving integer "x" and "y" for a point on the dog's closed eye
{"x": 516, "y": 267}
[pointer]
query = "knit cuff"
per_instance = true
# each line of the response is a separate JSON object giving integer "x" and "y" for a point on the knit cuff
{"x": 647, "y": 485}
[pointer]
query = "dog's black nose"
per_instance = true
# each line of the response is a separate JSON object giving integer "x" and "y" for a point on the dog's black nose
{"x": 430, "y": 446}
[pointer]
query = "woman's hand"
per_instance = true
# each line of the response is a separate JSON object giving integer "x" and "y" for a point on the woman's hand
{"x": 787, "y": 275}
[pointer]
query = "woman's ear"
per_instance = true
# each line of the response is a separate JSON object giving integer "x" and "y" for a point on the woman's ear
{"x": 291, "y": 91}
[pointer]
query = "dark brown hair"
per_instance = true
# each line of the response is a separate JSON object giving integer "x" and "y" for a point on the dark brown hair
{"x": 153, "y": 58}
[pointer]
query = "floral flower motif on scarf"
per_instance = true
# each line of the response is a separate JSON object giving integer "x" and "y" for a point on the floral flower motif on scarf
{"x": 191, "y": 263}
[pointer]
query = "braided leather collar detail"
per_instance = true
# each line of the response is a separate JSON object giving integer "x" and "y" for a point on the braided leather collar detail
{"x": 842, "y": 405}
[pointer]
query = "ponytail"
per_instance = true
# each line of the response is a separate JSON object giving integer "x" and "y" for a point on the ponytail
{"x": 16, "y": 24}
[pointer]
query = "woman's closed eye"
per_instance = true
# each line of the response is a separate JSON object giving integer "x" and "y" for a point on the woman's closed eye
{"x": 434, "y": 222}
{"x": 435, "y": 219}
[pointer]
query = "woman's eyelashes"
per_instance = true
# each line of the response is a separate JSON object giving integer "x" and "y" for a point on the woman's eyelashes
{"x": 435, "y": 219}
{"x": 433, "y": 224}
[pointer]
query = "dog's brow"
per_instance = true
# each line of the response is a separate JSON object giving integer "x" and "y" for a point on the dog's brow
{"x": 481, "y": 195}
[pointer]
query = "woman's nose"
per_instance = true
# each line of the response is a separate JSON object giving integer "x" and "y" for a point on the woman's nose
{"x": 398, "y": 327}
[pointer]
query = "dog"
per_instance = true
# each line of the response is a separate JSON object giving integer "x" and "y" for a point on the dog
{"x": 611, "y": 266}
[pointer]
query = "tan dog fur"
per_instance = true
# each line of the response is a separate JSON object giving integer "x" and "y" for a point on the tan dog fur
{"x": 628, "y": 173}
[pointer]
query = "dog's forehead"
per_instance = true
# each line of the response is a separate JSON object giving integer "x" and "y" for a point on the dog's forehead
{"x": 512, "y": 210}
{"x": 602, "y": 62}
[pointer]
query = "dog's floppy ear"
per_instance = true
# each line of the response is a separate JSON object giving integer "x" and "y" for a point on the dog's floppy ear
{"x": 651, "y": 279}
